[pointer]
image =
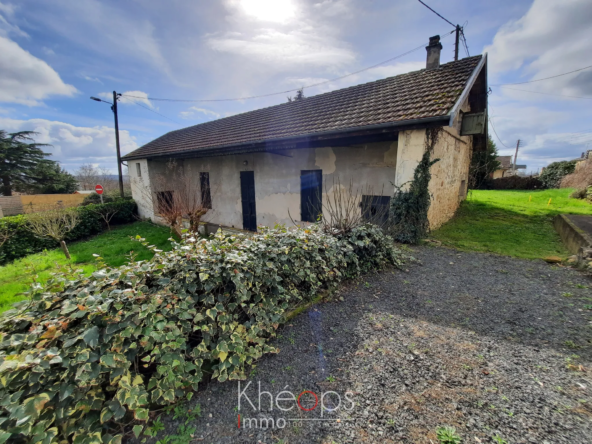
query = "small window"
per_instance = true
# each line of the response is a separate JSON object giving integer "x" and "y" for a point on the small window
{"x": 375, "y": 209}
{"x": 164, "y": 201}
{"x": 206, "y": 196}
{"x": 138, "y": 170}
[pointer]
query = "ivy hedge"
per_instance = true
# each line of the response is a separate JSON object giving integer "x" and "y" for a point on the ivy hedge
{"x": 87, "y": 358}
{"x": 24, "y": 242}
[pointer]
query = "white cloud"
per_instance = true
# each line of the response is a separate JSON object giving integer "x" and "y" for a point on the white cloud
{"x": 194, "y": 109}
{"x": 551, "y": 38}
{"x": 92, "y": 79}
{"x": 265, "y": 10}
{"x": 129, "y": 97}
{"x": 74, "y": 145}
{"x": 6, "y": 28}
{"x": 26, "y": 79}
{"x": 285, "y": 49}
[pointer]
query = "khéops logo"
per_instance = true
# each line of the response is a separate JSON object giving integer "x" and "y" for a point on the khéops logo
{"x": 312, "y": 406}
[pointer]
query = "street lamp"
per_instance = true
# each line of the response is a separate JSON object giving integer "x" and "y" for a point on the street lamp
{"x": 114, "y": 109}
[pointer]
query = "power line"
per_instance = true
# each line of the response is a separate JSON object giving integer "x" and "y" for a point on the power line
{"x": 149, "y": 109}
{"x": 289, "y": 90}
{"x": 445, "y": 19}
{"x": 498, "y": 137}
{"x": 464, "y": 40}
{"x": 547, "y": 94}
{"x": 545, "y": 78}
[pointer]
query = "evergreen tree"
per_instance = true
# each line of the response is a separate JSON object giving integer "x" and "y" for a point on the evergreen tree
{"x": 49, "y": 178}
{"x": 18, "y": 160}
{"x": 483, "y": 164}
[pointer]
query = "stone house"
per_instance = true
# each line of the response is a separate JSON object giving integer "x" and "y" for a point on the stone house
{"x": 266, "y": 166}
{"x": 506, "y": 168}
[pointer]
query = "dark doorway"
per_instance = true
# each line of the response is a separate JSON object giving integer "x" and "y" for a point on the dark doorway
{"x": 204, "y": 185}
{"x": 311, "y": 192}
{"x": 247, "y": 179}
{"x": 375, "y": 209}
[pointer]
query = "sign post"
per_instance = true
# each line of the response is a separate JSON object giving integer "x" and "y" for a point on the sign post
{"x": 99, "y": 191}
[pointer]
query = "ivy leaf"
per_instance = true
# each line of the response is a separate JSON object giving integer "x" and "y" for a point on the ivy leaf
{"x": 137, "y": 430}
{"x": 212, "y": 313}
{"x": 222, "y": 356}
{"x": 141, "y": 414}
{"x": 91, "y": 336}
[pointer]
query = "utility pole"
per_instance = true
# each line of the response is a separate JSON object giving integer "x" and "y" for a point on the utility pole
{"x": 516, "y": 155}
{"x": 457, "y": 42}
{"x": 114, "y": 108}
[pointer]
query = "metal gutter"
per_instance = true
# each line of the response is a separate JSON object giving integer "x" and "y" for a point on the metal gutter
{"x": 226, "y": 149}
{"x": 467, "y": 89}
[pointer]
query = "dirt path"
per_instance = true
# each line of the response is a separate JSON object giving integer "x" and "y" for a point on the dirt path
{"x": 497, "y": 347}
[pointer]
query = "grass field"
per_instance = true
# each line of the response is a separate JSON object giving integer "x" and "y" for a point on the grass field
{"x": 113, "y": 246}
{"x": 514, "y": 223}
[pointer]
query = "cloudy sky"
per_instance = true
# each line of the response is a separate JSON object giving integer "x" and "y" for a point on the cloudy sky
{"x": 55, "y": 55}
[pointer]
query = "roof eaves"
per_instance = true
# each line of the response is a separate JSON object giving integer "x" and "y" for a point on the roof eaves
{"x": 467, "y": 89}
{"x": 221, "y": 150}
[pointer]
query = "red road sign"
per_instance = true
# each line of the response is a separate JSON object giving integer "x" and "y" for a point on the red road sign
{"x": 99, "y": 189}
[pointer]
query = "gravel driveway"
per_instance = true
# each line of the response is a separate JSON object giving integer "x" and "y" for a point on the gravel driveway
{"x": 497, "y": 347}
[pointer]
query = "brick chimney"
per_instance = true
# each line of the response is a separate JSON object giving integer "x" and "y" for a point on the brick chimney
{"x": 433, "y": 49}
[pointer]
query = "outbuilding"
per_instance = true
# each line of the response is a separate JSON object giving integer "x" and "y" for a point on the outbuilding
{"x": 278, "y": 164}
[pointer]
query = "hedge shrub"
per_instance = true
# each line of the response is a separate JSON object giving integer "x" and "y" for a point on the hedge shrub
{"x": 514, "y": 183}
{"x": 554, "y": 173}
{"x": 88, "y": 354}
{"x": 24, "y": 242}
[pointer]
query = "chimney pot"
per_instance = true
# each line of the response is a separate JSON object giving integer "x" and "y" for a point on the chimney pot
{"x": 433, "y": 49}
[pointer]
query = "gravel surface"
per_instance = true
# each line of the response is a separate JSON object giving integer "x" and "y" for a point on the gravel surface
{"x": 497, "y": 347}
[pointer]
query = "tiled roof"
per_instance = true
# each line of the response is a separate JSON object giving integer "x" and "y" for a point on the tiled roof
{"x": 415, "y": 95}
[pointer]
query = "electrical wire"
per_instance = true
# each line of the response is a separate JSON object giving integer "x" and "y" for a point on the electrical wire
{"x": 498, "y": 137}
{"x": 547, "y": 94}
{"x": 445, "y": 19}
{"x": 289, "y": 90}
{"x": 464, "y": 40}
{"x": 149, "y": 109}
{"x": 545, "y": 78}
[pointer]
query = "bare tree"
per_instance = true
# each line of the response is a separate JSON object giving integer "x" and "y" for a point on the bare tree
{"x": 342, "y": 208}
{"x": 107, "y": 212}
{"x": 55, "y": 223}
{"x": 176, "y": 196}
{"x": 89, "y": 175}
{"x": 346, "y": 207}
{"x": 6, "y": 234}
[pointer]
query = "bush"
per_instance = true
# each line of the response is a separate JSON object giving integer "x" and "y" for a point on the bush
{"x": 578, "y": 194}
{"x": 514, "y": 183}
{"x": 94, "y": 198}
{"x": 24, "y": 242}
{"x": 555, "y": 172}
{"x": 87, "y": 355}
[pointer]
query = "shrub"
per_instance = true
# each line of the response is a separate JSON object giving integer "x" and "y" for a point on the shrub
{"x": 94, "y": 198}
{"x": 514, "y": 183}
{"x": 25, "y": 242}
{"x": 555, "y": 172}
{"x": 578, "y": 194}
{"x": 89, "y": 354}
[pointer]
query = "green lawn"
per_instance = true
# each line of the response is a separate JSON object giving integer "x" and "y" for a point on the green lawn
{"x": 113, "y": 246}
{"x": 514, "y": 223}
